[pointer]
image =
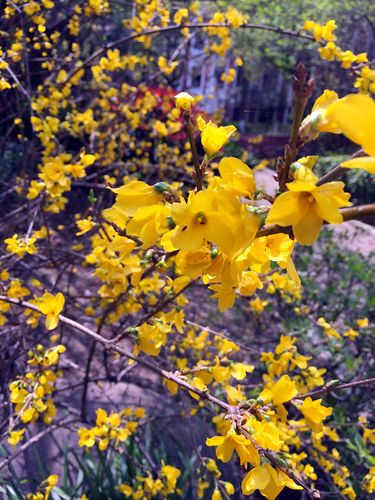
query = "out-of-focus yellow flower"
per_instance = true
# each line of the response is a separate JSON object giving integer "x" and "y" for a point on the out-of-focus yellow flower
{"x": 184, "y": 100}
{"x": 351, "y": 334}
{"x": 15, "y": 437}
{"x": 362, "y": 323}
{"x": 85, "y": 225}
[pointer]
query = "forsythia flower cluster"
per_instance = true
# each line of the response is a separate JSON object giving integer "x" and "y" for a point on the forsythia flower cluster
{"x": 365, "y": 80}
{"x": 31, "y": 394}
{"x": 112, "y": 429}
{"x": 148, "y": 487}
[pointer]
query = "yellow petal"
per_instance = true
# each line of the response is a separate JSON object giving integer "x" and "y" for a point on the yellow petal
{"x": 308, "y": 228}
{"x": 224, "y": 452}
{"x": 355, "y": 117}
{"x": 51, "y": 322}
{"x": 298, "y": 186}
{"x": 286, "y": 210}
{"x": 326, "y": 209}
{"x": 257, "y": 478}
{"x": 189, "y": 238}
{"x": 366, "y": 163}
{"x": 215, "y": 440}
{"x": 219, "y": 233}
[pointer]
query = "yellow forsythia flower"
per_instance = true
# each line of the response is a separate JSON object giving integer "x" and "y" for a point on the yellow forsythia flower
{"x": 201, "y": 219}
{"x": 305, "y": 206}
{"x": 354, "y": 115}
{"x": 138, "y": 194}
{"x": 362, "y": 323}
{"x": 269, "y": 481}
{"x": 85, "y": 225}
{"x": 237, "y": 177}
{"x": 316, "y": 122}
{"x": 284, "y": 390}
{"x": 231, "y": 442}
{"x": 51, "y": 306}
{"x": 15, "y": 437}
{"x": 213, "y": 137}
{"x": 314, "y": 413}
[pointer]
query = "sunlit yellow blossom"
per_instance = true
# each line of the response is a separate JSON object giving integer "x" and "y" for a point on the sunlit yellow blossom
{"x": 149, "y": 223}
{"x": 317, "y": 122}
{"x": 305, "y": 206}
{"x": 204, "y": 217}
{"x": 284, "y": 390}
{"x": 354, "y": 116}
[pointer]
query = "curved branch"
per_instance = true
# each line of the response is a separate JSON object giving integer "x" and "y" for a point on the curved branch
{"x": 175, "y": 27}
{"x": 333, "y": 387}
{"x": 338, "y": 171}
{"x": 112, "y": 346}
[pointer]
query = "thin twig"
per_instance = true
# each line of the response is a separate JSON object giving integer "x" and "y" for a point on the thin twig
{"x": 332, "y": 388}
{"x": 110, "y": 345}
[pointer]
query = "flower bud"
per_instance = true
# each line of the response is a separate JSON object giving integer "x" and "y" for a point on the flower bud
{"x": 184, "y": 100}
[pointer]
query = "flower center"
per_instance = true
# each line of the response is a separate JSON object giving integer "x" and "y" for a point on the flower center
{"x": 200, "y": 218}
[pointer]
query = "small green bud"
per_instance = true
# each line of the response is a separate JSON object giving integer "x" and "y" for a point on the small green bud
{"x": 160, "y": 187}
{"x": 148, "y": 255}
{"x": 214, "y": 252}
{"x": 264, "y": 461}
{"x": 294, "y": 167}
{"x": 170, "y": 222}
{"x": 92, "y": 198}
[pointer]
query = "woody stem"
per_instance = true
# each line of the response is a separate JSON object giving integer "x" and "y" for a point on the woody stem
{"x": 190, "y": 133}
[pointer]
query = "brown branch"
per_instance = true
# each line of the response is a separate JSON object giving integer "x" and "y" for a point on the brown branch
{"x": 338, "y": 171}
{"x": 175, "y": 27}
{"x": 33, "y": 440}
{"x": 110, "y": 345}
{"x": 160, "y": 307}
{"x": 333, "y": 387}
{"x": 302, "y": 90}
{"x": 190, "y": 133}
